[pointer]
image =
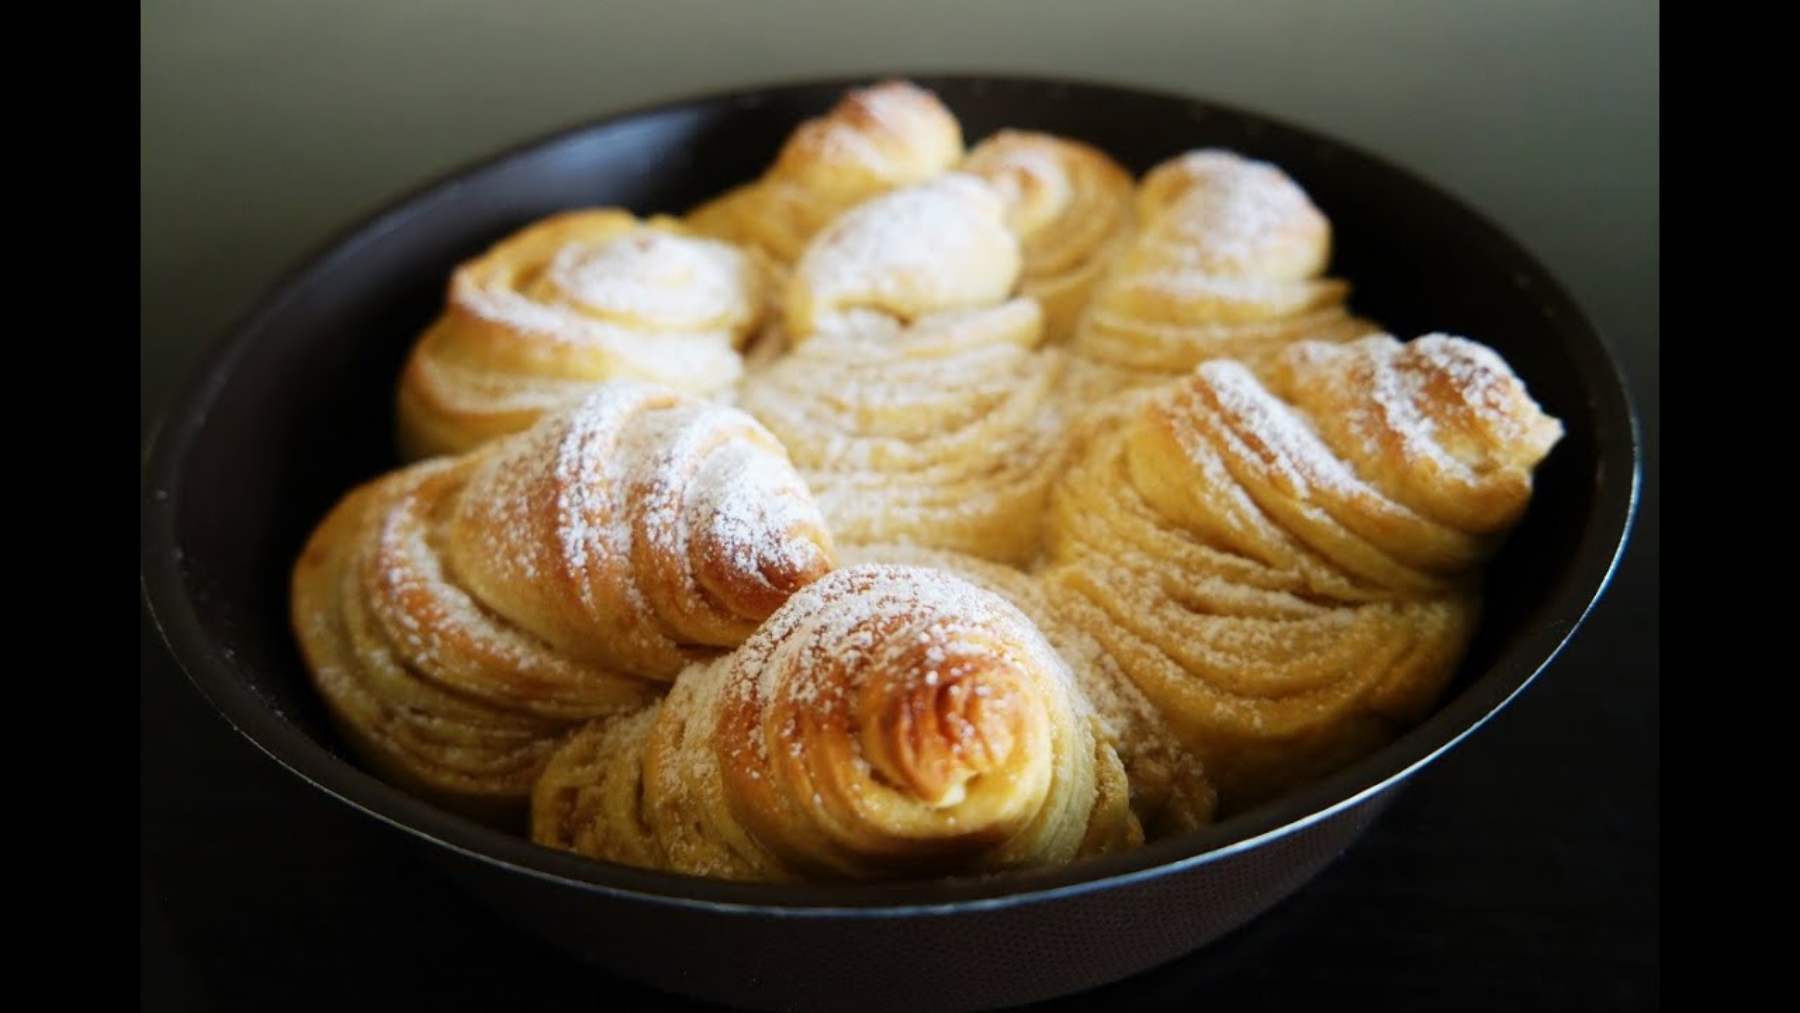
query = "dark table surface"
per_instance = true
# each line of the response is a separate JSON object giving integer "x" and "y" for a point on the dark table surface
{"x": 1521, "y": 870}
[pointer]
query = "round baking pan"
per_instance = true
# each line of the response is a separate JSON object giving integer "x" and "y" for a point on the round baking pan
{"x": 295, "y": 405}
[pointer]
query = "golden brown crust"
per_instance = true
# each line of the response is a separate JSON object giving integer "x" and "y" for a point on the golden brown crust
{"x": 571, "y": 300}
{"x": 1261, "y": 573}
{"x": 431, "y": 693}
{"x": 886, "y": 722}
{"x": 875, "y": 139}
{"x": 1396, "y": 465}
{"x": 590, "y": 797}
{"x": 1440, "y": 424}
{"x": 1166, "y": 785}
{"x": 638, "y": 526}
{"x": 1225, "y": 263}
{"x": 453, "y": 614}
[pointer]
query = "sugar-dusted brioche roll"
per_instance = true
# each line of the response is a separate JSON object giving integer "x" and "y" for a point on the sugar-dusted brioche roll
{"x": 887, "y": 722}
{"x": 930, "y": 248}
{"x": 460, "y": 614}
{"x": 1226, "y": 262}
{"x": 1395, "y": 467}
{"x": 1288, "y": 572}
{"x": 577, "y": 298}
{"x": 1170, "y": 791}
{"x": 877, "y": 138}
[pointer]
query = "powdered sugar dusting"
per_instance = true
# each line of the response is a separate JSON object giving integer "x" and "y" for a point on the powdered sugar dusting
{"x": 945, "y": 432}
{"x": 860, "y": 619}
{"x": 1232, "y": 211}
{"x": 937, "y": 245}
{"x": 1487, "y": 387}
{"x": 1030, "y": 178}
{"x": 673, "y": 521}
{"x": 590, "y": 477}
{"x": 1444, "y": 404}
{"x": 739, "y": 526}
{"x": 1227, "y": 263}
{"x": 579, "y": 298}
{"x": 1288, "y": 444}
{"x": 895, "y": 131}
{"x": 658, "y": 277}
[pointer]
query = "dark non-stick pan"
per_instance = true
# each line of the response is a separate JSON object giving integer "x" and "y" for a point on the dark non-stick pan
{"x": 294, "y": 406}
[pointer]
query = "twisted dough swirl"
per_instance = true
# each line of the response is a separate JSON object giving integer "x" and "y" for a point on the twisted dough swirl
{"x": 938, "y": 246}
{"x": 914, "y": 401}
{"x": 1226, "y": 263}
{"x": 580, "y": 297}
{"x": 875, "y": 139}
{"x": 1292, "y": 581}
{"x": 886, "y": 722}
{"x": 460, "y": 614}
{"x": 1170, "y": 791}
{"x": 1070, "y": 206}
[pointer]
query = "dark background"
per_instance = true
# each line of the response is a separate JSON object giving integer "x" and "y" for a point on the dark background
{"x": 1521, "y": 870}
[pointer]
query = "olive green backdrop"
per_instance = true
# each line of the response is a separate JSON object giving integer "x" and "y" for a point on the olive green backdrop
{"x": 268, "y": 126}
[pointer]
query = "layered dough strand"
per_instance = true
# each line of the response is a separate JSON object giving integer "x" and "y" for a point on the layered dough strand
{"x": 1170, "y": 791}
{"x": 916, "y": 400}
{"x": 581, "y": 297}
{"x": 1288, "y": 571}
{"x": 887, "y": 722}
{"x": 889, "y": 135}
{"x": 1226, "y": 262}
{"x": 461, "y": 614}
